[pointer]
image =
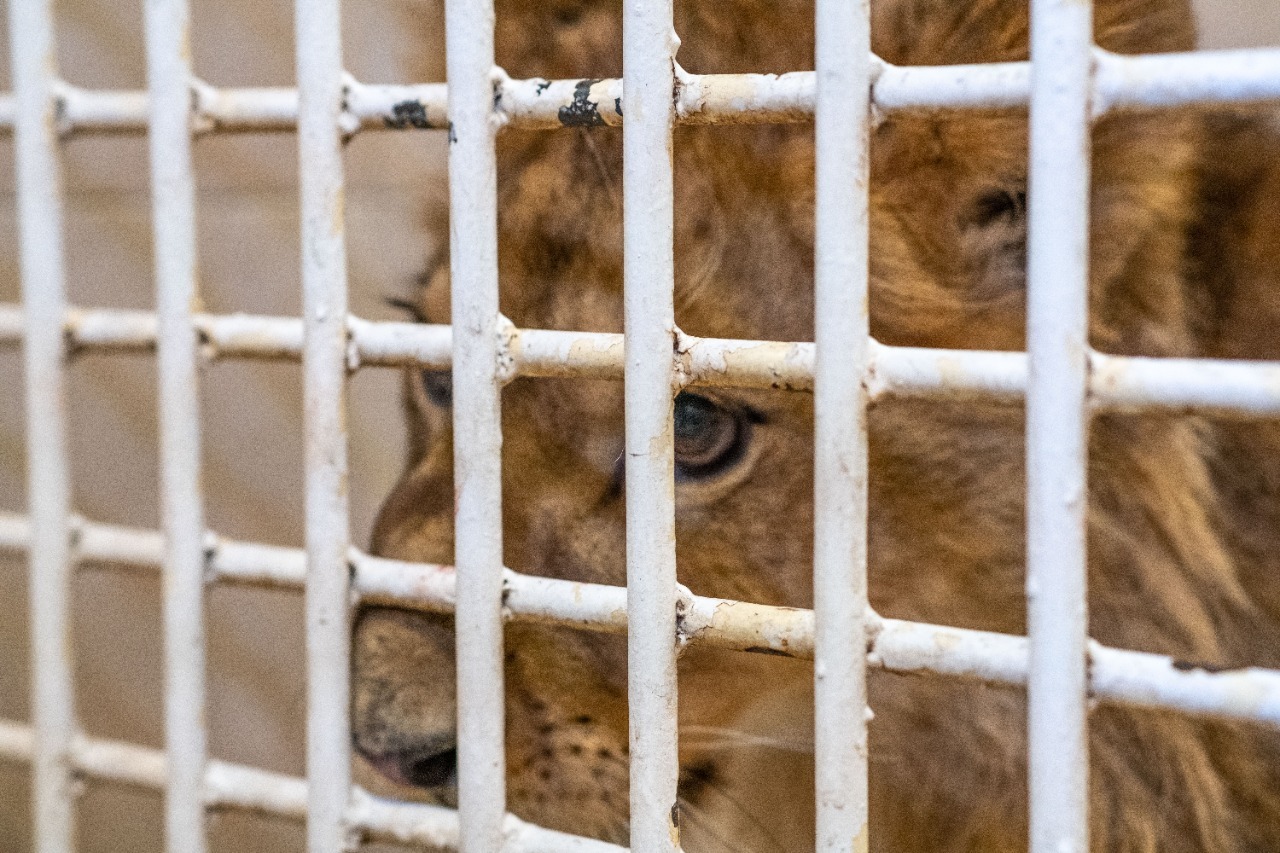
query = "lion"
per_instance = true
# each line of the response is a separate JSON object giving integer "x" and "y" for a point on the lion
{"x": 1183, "y": 518}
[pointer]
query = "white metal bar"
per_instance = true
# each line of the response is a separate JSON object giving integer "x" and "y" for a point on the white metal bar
{"x": 258, "y": 109}
{"x": 1117, "y": 676}
{"x": 102, "y": 111}
{"x": 477, "y": 424}
{"x": 1157, "y": 81}
{"x": 648, "y": 67}
{"x": 401, "y": 345}
{"x": 953, "y": 374}
{"x": 40, "y": 226}
{"x": 1116, "y": 383}
{"x": 997, "y": 85}
{"x": 1239, "y": 388}
{"x": 1160, "y": 81}
{"x": 841, "y": 134}
{"x": 324, "y": 292}
{"x": 168, "y": 27}
{"x": 1057, "y": 424}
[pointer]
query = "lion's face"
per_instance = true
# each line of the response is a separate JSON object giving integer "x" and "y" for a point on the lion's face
{"x": 948, "y": 253}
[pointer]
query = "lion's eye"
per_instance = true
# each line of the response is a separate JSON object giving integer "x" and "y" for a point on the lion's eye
{"x": 708, "y": 437}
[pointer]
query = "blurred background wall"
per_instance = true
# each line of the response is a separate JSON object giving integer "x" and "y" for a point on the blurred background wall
{"x": 248, "y": 221}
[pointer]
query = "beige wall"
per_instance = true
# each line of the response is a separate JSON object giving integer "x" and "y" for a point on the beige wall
{"x": 249, "y": 249}
{"x": 1238, "y": 23}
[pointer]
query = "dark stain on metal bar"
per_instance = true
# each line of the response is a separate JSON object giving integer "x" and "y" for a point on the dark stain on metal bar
{"x": 617, "y": 106}
{"x": 408, "y": 114}
{"x": 583, "y": 112}
{"x": 542, "y": 86}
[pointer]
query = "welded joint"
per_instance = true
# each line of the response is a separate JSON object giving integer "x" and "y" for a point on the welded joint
{"x": 210, "y": 544}
{"x": 1105, "y": 70}
{"x": 1106, "y": 79}
{"x": 206, "y": 346}
{"x": 352, "y": 351}
{"x": 203, "y": 97}
{"x": 507, "y": 350}
{"x": 873, "y": 626}
{"x": 873, "y": 387}
{"x": 508, "y": 577}
{"x": 348, "y": 121}
{"x": 682, "y": 83}
{"x": 1094, "y": 399}
{"x": 498, "y": 115}
{"x": 75, "y": 536}
{"x": 1096, "y": 104}
{"x": 77, "y": 777}
{"x": 62, "y": 93}
{"x": 685, "y": 601}
{"x": 500, "y": 80}
{"x": 877, "y": 68}
{"x": 1092, "y": 701}
{"x": 71, "y": 334}
{"x": 682, "y": 369}
{"x": 355, "y": 557}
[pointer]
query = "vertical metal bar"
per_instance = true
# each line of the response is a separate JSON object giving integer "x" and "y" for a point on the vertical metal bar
{"x": 39, "y": 181}
{"x": 1057, "y": 425}
{"x": 648, "y": 62}
{"x": 181, "y": 497}
{"x": 324, "y": 290}
{"x": 477, "y": 422}
{"x": 843, "y": 110}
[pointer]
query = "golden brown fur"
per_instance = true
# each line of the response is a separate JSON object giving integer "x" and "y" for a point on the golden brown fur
{"x": 1183, "y": 513}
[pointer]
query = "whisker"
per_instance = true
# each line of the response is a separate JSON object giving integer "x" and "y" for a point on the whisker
{"x": 721, "y": 738}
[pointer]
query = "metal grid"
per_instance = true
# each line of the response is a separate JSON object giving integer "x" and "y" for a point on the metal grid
{"x": 1070, "y": 83}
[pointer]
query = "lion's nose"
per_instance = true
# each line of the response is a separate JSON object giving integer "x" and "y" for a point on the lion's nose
{"x": 404, "y": 702}
{"x": 432, "y": 767}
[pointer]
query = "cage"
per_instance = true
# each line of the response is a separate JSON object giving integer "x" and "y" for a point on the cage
{"x": 67, "y": 240}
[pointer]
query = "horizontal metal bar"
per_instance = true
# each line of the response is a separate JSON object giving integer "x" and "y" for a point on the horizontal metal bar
{"x": 1156, "y": 81}
{"x": 1116, "y": 383}
{"x": 1117, "y": 676}
{"x": 236, "y": 786}
{"x": 1200, "y": 385}
{"x": 1202, "y": 78}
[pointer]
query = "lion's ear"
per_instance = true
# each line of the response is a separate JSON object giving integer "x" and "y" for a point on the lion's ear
{"x": 1144, "y": 26}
